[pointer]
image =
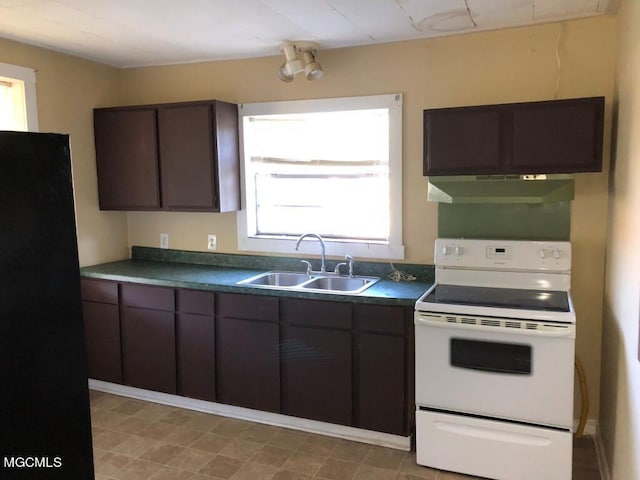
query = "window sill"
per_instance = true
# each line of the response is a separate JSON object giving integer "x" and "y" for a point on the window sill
{"x": 310, "y": 246}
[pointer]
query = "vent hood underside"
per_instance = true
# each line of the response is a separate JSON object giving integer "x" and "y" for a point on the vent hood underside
{"x": 501, "y": 188}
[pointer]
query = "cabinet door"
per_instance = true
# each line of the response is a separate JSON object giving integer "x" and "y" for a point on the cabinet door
{"x": 247, "y": 355}
{"x": 102, "y": 339}
{"x": 102, "y": 329}
{"x": 382, "y": 367}
{"x": 195, "y": 345}
{"x": 248, "y": 373}
{"x": 316, "y": 374}
{"x": 228, "y": 156}
{"x": 380, "y": 383}
{"x": 557, "y": 137}
{"x": 187, "y": 154}
{"x": 316, "y": 360}
{"x": 148, "y": 349}
{"x": 462, "y": 141}
{"x": 127, "y": 159}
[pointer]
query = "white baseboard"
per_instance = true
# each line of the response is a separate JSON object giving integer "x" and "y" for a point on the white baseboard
{"x": 276, "y": 419}
{"x": 602, "y": 457}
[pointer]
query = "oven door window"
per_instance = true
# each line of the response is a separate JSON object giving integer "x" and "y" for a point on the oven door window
{"x": 495, "y": 357}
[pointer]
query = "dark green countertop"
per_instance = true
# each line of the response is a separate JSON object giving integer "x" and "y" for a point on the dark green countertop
{"x": 150, "y": 267}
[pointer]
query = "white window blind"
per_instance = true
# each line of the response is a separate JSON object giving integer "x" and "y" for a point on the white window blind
{"x": 326, "y": 173}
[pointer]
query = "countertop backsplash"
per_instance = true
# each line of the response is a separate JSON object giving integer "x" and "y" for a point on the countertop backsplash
{"x": 421, "y": 273}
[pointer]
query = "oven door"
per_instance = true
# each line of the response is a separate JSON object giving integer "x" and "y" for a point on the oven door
{"x": 500, "y": 368}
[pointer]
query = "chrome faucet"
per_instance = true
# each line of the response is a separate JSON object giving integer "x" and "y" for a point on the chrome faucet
{"x": 348, "y": 259}
{"x": 323, "y": 269}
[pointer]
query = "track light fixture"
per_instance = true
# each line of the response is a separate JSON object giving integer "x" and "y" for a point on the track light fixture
{"x": 300, "y": 57}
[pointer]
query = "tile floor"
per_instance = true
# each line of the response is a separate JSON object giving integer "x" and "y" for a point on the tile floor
{"x": 137, "y": 440}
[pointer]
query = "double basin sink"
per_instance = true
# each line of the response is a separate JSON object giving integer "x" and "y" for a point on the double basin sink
{"x": 314, "y": 282}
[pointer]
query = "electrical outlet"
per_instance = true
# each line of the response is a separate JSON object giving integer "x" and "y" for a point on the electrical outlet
{"x": 164, "y": 240}
{"x": 212, "y": 242}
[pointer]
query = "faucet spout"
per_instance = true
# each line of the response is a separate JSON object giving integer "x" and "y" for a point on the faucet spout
{"x": 323, "y": 268}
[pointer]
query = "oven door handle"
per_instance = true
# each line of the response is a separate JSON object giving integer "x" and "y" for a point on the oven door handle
{"x": 563, "y": 331}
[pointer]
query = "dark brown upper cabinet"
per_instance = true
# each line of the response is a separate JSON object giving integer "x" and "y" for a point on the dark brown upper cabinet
{"x": 558, "y": 136}
{"x": 127, "y": 158}
{"x": 177, "y": 156}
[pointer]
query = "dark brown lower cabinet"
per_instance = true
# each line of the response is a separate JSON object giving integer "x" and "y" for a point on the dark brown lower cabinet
{"x": 316, "y": 374}
{"x": 102, "y": 329}
{"x": 381, "y": 383}
{"x": 247, "y": 354}
{"x": 338, "y": 362}
{"x": 382, "y": 363}
{"x": 149, "y": 349}
{"x": 102, "y": 337}
{"x": 148, "y": 337}
{"x": 316, "y": 360}
{"x": 248, "y": 368}
{"x": 195, "y": 345}
{"x": 196, "y": 361}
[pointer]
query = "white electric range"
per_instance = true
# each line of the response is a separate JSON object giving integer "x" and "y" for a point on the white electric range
{"x": 495, "y": 340}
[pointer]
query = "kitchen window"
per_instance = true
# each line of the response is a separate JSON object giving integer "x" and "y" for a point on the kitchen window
{"x": 18, "y": 108}
{"x": 328, "y": 166}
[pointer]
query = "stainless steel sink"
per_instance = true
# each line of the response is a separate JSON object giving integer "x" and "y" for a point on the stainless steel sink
{"x": 277, "y": 279}
{"x": 317, "y": 282}
{"x": 340, "y": 284}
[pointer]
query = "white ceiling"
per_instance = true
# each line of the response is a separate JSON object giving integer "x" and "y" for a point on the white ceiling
{"x": 128, "y": 33}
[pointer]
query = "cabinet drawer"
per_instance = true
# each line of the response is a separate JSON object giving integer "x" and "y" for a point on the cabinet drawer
{"x": 159, "y": 298}
{"x": 103, "y": 291}
{"x": 249, "y": 307}
{"x": 380, "y": 318}
{"x": 316, "y": 313}
{"x": 194, "y": 301}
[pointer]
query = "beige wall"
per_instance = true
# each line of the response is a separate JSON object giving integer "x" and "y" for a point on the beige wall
{"x": 67, "y": 90}
{"x": 620, "y": 399}
{"x": 503, "y": 66}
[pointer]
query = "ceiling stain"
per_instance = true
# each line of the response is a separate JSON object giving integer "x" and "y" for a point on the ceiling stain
{"x": 449, "y": 21}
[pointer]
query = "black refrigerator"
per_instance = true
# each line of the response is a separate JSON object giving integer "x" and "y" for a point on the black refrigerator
{"x": 45, "y": 427}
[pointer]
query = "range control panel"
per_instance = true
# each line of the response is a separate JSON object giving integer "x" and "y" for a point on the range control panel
{"x": 503, "y": 254}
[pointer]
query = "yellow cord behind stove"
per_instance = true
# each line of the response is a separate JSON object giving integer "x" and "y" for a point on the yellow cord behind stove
{"x": 584, "y": 394}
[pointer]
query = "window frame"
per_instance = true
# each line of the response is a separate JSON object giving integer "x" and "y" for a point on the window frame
{"x": 394, "y": 248}
{"x": 27, "y": 76}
